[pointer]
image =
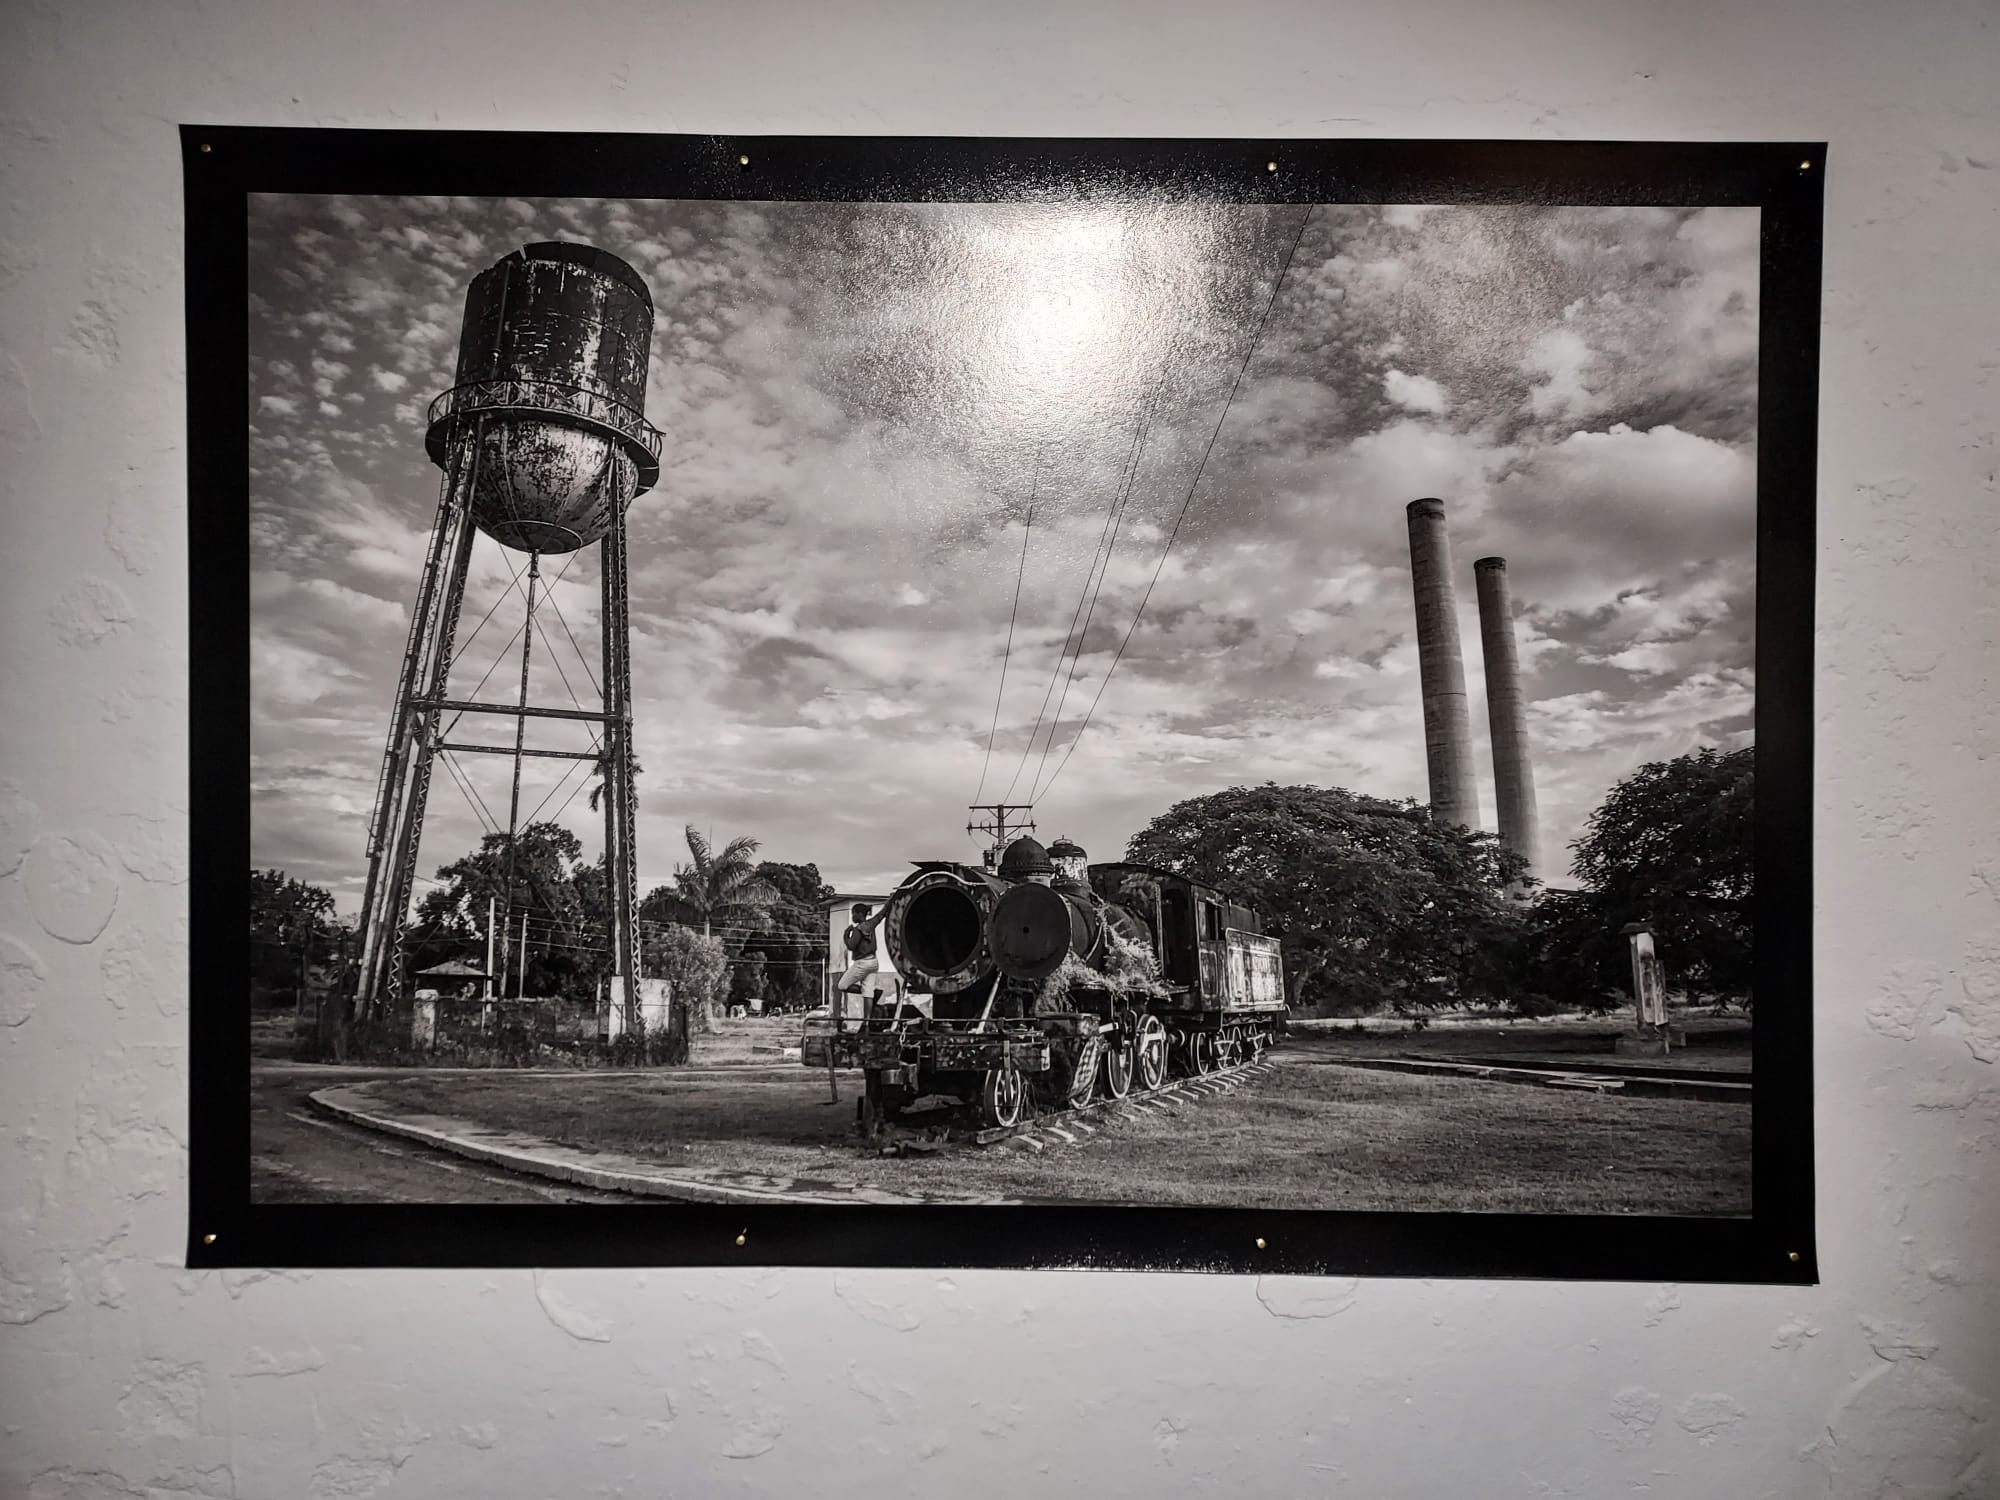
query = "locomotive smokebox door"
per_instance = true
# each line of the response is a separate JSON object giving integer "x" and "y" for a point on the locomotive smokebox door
{"x": 1029, "y": 932}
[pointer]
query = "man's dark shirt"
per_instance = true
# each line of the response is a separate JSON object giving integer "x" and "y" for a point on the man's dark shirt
{"x": 860, "y": 941}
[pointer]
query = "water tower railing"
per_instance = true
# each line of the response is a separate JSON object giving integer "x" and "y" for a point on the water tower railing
{"x": 548, "y": 399}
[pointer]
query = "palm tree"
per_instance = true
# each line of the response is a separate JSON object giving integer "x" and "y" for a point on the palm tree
{"x": 717, "y": 883}
{"x": 597, "y": 787}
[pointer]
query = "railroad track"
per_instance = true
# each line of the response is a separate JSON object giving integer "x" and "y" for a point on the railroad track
{"x": 1075, "y": 1127}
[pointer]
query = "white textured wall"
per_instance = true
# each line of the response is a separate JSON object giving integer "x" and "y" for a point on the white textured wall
{"x": 123, "y": 1375}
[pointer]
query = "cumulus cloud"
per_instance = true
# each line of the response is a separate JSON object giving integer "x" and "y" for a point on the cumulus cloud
{"x": 1414, "y": 392}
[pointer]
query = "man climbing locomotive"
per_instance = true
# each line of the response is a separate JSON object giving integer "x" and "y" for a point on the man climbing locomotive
{"x": 859, "y": 940}
{"x": 1052, "y": 980}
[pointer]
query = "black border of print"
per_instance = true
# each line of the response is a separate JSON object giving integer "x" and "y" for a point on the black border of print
{"x": 223, "y": 165}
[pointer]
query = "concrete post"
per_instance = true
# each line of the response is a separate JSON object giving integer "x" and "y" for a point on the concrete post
{"x": 1651, "y": 1035}
{"x": 1441, "y": 668}
{"x": 1507, "y": 715}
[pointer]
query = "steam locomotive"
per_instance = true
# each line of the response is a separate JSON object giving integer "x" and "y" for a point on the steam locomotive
{"x": 1054, "y": 979}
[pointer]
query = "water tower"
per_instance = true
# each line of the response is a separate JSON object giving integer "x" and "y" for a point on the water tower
{"x": 543, "y": 445}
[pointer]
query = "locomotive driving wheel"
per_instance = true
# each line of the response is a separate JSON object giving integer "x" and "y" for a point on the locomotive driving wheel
{"x": 1201, "y": 1052}
{"x": 1119, "y": 1064}
{"x": 1003, "y": 1097}
{"x": 1083, "y": 1082}
{"x": 1150, "y": 1052}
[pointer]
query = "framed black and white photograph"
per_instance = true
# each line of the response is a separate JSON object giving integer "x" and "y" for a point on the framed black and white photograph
{"x": 1186, "y": 705}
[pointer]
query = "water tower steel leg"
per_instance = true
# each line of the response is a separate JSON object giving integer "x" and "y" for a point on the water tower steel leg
{"x": 424, "y": 743}
{"x": 521, "y": 733}
{"x": 621, "y": 864}
{"x": 395, "y": 753}
{"x": 405, "y": 778}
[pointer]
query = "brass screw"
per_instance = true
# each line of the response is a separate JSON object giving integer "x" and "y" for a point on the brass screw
{"x": 209, "y": 1239}
{"x": 1270, "y": 166}
{"x": 741, "y": 1238}
{"x": 1805, "y": 166}
{"x": 742, "y": 161}
{"x": 206, "y": 148}
{"x": 1260, "y": 1242}
{"x": 1795, "y": 1255}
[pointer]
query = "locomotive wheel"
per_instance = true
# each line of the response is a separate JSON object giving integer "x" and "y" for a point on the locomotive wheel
{"x": 1083, "y": 1084}
{"x": 1201, "y": 1052}
{"x": 1151, "y": 1048}
{"x": 1003, "y": 1097}
{"x": 1119, "y": 1063}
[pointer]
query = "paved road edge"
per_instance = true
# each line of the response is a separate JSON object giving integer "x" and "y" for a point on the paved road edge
{"x": 353, "y": 1104}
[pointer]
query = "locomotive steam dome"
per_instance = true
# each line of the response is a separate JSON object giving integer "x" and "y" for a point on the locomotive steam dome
{"x": 1025, "y": 858}
{"x": 547, "y": 404}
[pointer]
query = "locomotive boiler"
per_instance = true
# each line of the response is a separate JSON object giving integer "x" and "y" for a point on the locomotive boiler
{"x": 1053, "y": 982}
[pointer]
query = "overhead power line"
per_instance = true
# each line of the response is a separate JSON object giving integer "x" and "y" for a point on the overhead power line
{"x": 1083, "y": 593}
{"x": 1193, "y": 485}
{"x": 1103, "y": 572}
{"x": 1020, "y": 572}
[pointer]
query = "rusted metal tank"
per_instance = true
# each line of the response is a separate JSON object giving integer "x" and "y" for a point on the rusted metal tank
{"x": 546, "y": 408}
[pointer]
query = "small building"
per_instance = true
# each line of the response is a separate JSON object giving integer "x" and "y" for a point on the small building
{"x": 655, "y": 999}
{"x": 455, "y": 978}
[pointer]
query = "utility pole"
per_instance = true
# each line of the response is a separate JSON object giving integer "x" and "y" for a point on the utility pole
{"x": 342, "y": 1002}
{"x": 305, "y": 958}
{"x": 521, "y": 973}
{"x": 495, "y": 954}
{"x": 996, "y": 825}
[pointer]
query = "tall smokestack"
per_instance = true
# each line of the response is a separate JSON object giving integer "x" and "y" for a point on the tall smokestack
{"x": 1513, "y": 772}
{"x": 1441, "y": 668}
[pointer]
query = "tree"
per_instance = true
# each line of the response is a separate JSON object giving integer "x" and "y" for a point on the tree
{"x": 746, "y": 982}
{"x": 696, "y": 967}
{"x": 1571, "y": 955}
{"x": 1375, "y": 903}
{"x": 561, "y": 897}
{"x": 290, "y": 923}
{"x": 792, "y": 937}
{"x": 714, "y": 890}
{"x": 1672, "y": 844}
{"x": 716, "y": 885}
{"x": 597, "y": 785}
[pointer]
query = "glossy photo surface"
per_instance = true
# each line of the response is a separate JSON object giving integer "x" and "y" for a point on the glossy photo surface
{"x": 1216, "y": 707}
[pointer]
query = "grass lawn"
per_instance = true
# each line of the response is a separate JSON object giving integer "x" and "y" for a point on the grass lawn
{"x": 1309, "y": 1134}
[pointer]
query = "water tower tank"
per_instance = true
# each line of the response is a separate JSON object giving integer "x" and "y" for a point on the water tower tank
{"x": 549, "y": 394}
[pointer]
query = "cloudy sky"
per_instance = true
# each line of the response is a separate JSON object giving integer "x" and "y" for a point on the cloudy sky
{"x": 863, "y": 404}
